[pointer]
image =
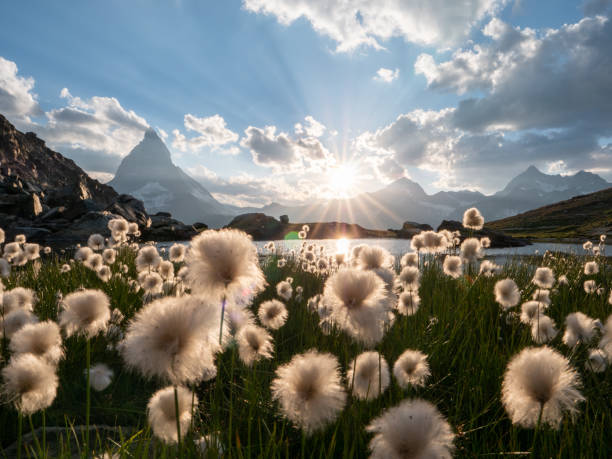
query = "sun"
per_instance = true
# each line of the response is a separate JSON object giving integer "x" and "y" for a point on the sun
{"x": 342, "y": 179}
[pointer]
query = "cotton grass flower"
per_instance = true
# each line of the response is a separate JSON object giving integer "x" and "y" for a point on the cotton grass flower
{"x": 473, "y": 219}
{"x": 413, "y": 429}
{"x": 254, "y": 344}
{"x": 14, "y": 321}
{"x": 18, "y": 298}
{"x": 5, "y": 268}
{"x": 539, "y": 383}
{"x": 591, "y": 268}
{"x": 32, "y": 251}
{"x": 30, "y": 383}
{"x": 543, "y": 329}
{"x": 104, "y": 273}
{"x": 162, "y": 414}
{"x": 453, "y": 266}
{"x": 151, "y": 283}
{"x": 41, "y": 339}
{"x": 579, "y": 328}
{"x": 531, "y": 310}
{"x": 83, "y": 254}
{"x": 100, "y": 376}
{"x": 166, "y": 270}
{"x": 20, "y": 239}
{"x": 542, "y": 296}
{"x": 85, "y": 312}
{"x": 309, "y": 390}
{"x": 94, "y": 262}
{"x": 543, "y": 277}
{"x": 109, "y": 256}
{"x": 374, "y": 257}
{"x": 485, "y": 242}
{"x": 471, "y": 250}
{"x": 507, "y": 293}
{"x": 147, "y": 259}
{"x": 176, "y": 254}
{"x": 284, "y": 290}
{"x": 96, "y": 242}
{"x": 223, "y": 262}
{"x": 590, "y": 286}
{"x": 588, "y": 245}
{"x": 410, "y": 259}
{"x": 364, "y": 375}
{"x": 411, "y": 369}
{"x": 173, "y": 338}
{"x": 272, "y": 314}
{"x": 597, "y": 361}
{"x": 11, "y": 250}
{"x": 408, "y": 303}
{"x": 358, "y": 303}
{"x": 409, "y": 278}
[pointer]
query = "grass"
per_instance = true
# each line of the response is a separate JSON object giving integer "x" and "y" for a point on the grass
{"x": 467, "y": 338}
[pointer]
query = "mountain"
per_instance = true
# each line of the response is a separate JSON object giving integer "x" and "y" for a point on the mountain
{"x": 405, "y": 199}
{"x": 47, "y": 197}
{"x": 149, "y": 174}
{"x": 585, "y": 216}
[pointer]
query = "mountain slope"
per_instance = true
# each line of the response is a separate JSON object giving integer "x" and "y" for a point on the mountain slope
{"x": 585, "y": 216}
{"x": 149, "y": 174}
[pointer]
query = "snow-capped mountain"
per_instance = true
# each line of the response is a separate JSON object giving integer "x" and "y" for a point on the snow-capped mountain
{"x": 405, "y": 200}
{"x": 148, "y": 174}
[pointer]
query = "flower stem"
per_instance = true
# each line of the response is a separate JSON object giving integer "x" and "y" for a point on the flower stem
{"x": 178, "y": 419}
{"x": 19, "y": 432}
{"x": 537, "y": 430}
{"x": 221, "y": 325}
{"x": 88, "y": 397}
{"x": 34, "y": 435}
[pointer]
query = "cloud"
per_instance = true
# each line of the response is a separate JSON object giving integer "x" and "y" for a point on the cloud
{"x": 17, "y": 101}
{"x": 213, "y": 133}
{"x": 312, "y": 128}
{"x": 386, "y": 75}
{"x": 356, "y": 23}
{"x": 281, "y": 151}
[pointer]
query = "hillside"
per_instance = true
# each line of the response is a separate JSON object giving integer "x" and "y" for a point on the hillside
{"x": 585, "y": 216}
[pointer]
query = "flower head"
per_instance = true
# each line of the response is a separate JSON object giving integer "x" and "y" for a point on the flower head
{"x": 364, "y": 375}
{"x": 86, "y": 312}
{"x": 309, "y": 390}
{"x": 224, "y": 262}
{"x": 272, "y": 314}
{"x": 413, "y": 429}
{"x": 96, "y": 242}
{"x": 473, "y": 219}
{"x": 147, "y": 259}
{"x": 410, "y": 259}
{"x": 408, "y": 303}
{"x": 540, "y": 379}
{"x": 18, "y": 298}
{"x": 12, "y": 322}
{"x": 173, "y": 338}
{"x": 30, "y": 383}
{"x": 507, "y": 293}
{"x": 471, "y": 249}
{"x": 544, "y": 277}
{"x": 590, "y": 268}
{"x": 162, "y": 412}
{"x": 579, "y": 328}
{"x": 543, "y": 330}
{"x": 100, "y": 376}
{"x": 358, "y": 302}
{"x": 176, "y": 254}
{"x": 409, "y": 278}
{"x": 284, "y": 290}
{"x": 41, "y": 339}
{"x": 411, "y": 369}
{"x": 452, "y": 266}
{"x": 254, "y": 344}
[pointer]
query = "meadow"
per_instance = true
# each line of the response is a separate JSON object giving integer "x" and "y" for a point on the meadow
{"x": 238, "y": 403}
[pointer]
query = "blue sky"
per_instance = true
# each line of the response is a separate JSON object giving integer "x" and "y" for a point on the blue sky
{"x": 236, "y": 67}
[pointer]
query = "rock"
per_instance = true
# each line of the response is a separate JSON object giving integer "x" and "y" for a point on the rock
{"x": 284, "y": 219}
{"x": 498, "y": 239}
{"x": 165, "y": 228}
{"x": 131, "y": 209}
{"x": 410, "y": 229}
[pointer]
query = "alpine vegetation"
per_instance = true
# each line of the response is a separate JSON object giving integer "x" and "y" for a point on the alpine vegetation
{"x": 222, "y": 346}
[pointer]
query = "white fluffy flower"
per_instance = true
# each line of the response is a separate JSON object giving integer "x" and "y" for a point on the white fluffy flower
{"x": 590, "y": 268}
{"x": 18, "y": 298}
{"x": 473, "y": 219}
{"x": 147, "y": 259}
{"x": 40, "y": 339}
{"x": 471, "y": 250}
{"x": 540, "y": 379}
{"x": 15, "y": 320}
{"x": 162, "y": 412}
{"x": 365, "y": 378}
{"x": 413, "y": 429}
{"x": 408, "y": 303}
{"x": 543, "y": 329}
{"x": 100, "y": 376}
{"x": 544, "y": 277}
{"x": 410, "y": 259}
{"x": 579, "y": 328}
{"x": 374, "y": 257}
{"x": 309, "y": 390}
{"x": 590, "y": 286}
{"x": 254, "y": 344}
{"x": 284, "y": 290}
{"x": 531, "y": 310}
{"x": 411, "y": 369}
{"x": 96, "y": 242}
{"x": 176, "y": 253}
{"x": 30, "y": 382}
{"x": 452, "y": 266}
{"x": 272, "y": 314}
{"x": 597, "y": 361}
{"x": 409, "y": 278}
{"x": 507, "y": 293}
{"x": 86, "y": 312}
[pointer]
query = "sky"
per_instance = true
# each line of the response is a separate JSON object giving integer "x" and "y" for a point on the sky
{"x": 295, "y": 100}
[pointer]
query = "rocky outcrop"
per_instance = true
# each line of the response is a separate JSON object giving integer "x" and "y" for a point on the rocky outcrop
{"x": 165, "y": 228}
{"x": 263, "y": 227}
{"x": 498, "y": 239}
{"x": 410, "y": 229}
{"x": 51, "y": 200}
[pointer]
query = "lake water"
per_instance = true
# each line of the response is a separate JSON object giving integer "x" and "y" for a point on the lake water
{"x": 398, "y": 247}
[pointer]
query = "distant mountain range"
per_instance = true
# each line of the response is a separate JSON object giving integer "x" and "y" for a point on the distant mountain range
{"x": 149, "y": 174}
{"x": 585, "y": 216}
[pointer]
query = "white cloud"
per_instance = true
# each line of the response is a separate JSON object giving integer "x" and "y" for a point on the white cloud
{"x": 17, "y": 101}
{"x": 281, "y": 151}
{"x": 355, "y": 23}
{"x": 312, "y": 128}
{"x": 213, "y": 133}
{"x": 386, "y": 75}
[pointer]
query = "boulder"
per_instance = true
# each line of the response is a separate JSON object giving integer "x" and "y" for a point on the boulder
{"x": 498, "y": 239}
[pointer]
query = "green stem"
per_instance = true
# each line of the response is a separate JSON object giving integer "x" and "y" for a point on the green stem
{"x": 44, "y": 433}
{"x": 19, "y": 433}
{"x": 178, "y": 419}
{"x": 537, "y": 431}
{"x": 34, "y": 434}
{"x": 88, "y": 397}
{"x": 221, "y": 325}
